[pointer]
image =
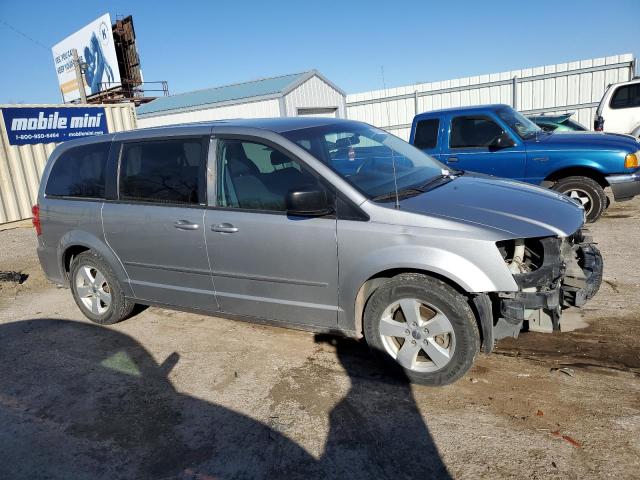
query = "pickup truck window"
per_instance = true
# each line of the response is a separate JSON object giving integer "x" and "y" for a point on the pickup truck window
{"x": 524, "y": 127}
{"x": 427, "y": 134}
{"x": 473, "y": 132}
{"x": 627, "y": 96}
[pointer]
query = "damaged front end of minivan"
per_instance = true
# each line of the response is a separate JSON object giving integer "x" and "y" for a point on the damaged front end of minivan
{"x": 552, "y": 274}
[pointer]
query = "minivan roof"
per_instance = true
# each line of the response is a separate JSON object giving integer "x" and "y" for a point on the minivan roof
{"x": 277, "y": 124}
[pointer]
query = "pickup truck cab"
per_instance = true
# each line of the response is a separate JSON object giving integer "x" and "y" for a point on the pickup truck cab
{"x": 499, "y": 141}
{"x": 619, "y": 109}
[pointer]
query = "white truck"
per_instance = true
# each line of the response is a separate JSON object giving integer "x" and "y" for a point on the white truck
{"x": 619, "y": 109}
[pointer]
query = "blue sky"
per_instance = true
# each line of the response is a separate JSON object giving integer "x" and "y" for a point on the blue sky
{"x": 202, "y": 44}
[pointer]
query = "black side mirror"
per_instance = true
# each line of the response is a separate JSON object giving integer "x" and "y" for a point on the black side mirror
{"x": 308, "y": 201}
{"x": 503, "y": 140}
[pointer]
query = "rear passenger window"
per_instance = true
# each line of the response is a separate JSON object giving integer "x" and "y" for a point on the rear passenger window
{"x": 427, "y": 134}
{"x": 469, "y": 132}
{"x": 627, "y": 96}
{"x": 165, "y": 171}
{"x": 79, "y": 172}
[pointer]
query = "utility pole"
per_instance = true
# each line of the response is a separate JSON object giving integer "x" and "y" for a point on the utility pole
{"x": 79, "y": 78}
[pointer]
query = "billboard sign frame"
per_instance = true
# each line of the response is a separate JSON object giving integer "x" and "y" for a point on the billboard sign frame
{"x": 97, "y": 53}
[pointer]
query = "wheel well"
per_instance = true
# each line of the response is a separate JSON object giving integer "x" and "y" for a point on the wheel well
{"x": 373, "y": 282}
{"x": 577, "y": 172}
{"x": 69, "y": 254}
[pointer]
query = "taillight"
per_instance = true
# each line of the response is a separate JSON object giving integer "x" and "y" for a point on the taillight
{"x": 598, "y": 124}
{"x": 35, "y": 210}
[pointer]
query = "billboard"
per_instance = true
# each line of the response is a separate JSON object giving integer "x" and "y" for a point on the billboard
{"x": 27, "y": 126}
{"x": 95, "y": 46}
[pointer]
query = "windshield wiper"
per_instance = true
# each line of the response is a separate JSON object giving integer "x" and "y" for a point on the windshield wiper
{"x": 434, "y": 182}
{"x": 404, "y": 193}
{"x": 439, "y": 180}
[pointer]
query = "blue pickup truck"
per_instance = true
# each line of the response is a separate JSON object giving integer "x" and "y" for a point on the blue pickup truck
{"x": 497, "y": 140}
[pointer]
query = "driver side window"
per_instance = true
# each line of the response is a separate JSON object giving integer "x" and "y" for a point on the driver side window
{"x": 254, "y": 176}
{"x": 473, "y": 132}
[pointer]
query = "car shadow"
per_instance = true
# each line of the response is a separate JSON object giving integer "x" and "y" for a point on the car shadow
{"x": 82, "y": 401}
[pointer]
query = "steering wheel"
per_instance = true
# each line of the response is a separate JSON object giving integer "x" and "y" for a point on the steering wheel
{"x": 367, "y": 161}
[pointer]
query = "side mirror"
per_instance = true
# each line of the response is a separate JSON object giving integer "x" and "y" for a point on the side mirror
{"x": 308, "y": 201}
{"x": 503, "y": 140}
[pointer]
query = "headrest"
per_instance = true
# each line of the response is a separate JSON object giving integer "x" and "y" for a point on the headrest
{"x": 278, "y": 158}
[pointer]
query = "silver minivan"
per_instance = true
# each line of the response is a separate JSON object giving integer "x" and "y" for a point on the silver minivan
{"x": 323, "y": 224}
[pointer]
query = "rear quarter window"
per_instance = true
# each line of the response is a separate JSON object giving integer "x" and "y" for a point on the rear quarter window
{"x": 627, "y": 96}
{"x": 79, "y": 172}
{"x": 426, "y": 134}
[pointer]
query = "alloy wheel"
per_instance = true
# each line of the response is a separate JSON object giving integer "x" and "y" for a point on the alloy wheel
{"x": 92, "y": 289}
{"x": 417, "y": 335}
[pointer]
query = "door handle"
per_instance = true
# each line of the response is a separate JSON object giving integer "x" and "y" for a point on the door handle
{"x": 186, "y": 225}
{"x": 452, "y": 159}
{"x": 224, "y": 228}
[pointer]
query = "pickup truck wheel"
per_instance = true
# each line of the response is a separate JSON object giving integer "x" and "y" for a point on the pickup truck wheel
{"x": 96, "y": 290}
{"x": 587, "y": 191}
{"x": 422, "y": 326}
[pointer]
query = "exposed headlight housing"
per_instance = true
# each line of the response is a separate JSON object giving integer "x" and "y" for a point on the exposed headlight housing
{"x": 631, "y": 160}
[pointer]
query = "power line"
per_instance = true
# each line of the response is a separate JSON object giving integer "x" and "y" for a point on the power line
{"x": 21, "y": 33}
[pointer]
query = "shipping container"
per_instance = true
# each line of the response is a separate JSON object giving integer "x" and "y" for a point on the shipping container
{"x": 27, "y": 142}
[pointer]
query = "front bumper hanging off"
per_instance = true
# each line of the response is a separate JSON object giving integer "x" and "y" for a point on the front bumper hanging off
{"x": 571, "y": 274}
{"x": 624, "y": 187}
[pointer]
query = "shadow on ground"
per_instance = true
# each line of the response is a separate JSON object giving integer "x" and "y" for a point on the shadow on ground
{"x": 81, "y": 401}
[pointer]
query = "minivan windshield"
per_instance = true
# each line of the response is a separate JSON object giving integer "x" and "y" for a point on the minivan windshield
{"x": 367, "y": 158}
{"x": 524, "y": 127}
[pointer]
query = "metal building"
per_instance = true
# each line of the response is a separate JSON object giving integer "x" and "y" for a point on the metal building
{"x": 564, "y": 87}
{"x": 21, "y": 166}
{"x": 306, "y": 93}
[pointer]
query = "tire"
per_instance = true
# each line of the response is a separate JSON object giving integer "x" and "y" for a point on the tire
{"x": 105, "y": 304}
{"x": 588, "y": 191}
{"x": 591, "y": 263}
{"x": 429, "y": 366}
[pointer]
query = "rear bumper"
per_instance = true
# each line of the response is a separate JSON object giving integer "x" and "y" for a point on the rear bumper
{"x": 624, "y": 187}
{"x": 50, "y": 266}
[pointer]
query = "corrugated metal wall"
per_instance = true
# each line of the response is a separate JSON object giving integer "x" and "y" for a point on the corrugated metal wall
{"x": 564, "y": 87}
{"x": 314, "y": 93}
{"x": 21, "y": 166}
{"x": 264, "y": 108}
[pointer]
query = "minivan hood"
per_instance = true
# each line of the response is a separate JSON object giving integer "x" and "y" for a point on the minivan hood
{"x": 518, "y": 209}
{"x": 591, "y": 140}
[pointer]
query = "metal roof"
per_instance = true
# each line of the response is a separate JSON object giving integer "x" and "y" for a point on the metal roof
{"x": 261, "y": 89}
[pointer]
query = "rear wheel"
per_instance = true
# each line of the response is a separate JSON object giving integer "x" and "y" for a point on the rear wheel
{"x": 423, "y": 326}
{"x": 97, "y": 291}
{"x": 587, "y": 192}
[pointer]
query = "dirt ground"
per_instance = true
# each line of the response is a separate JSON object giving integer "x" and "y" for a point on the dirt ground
{"x": 176, "y": 395}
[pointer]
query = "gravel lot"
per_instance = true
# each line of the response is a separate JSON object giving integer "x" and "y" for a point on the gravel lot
{"x": 176, "y": 395}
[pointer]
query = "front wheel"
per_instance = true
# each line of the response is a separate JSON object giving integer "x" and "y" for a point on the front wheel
{"x": 424, "y": 326}
{"x": 587, "y": 192}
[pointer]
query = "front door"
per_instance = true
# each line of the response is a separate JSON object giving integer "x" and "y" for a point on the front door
{"x": 470, "y": 148}
{"x": 267, "y": 264}
{"x": 156, "y": 225}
